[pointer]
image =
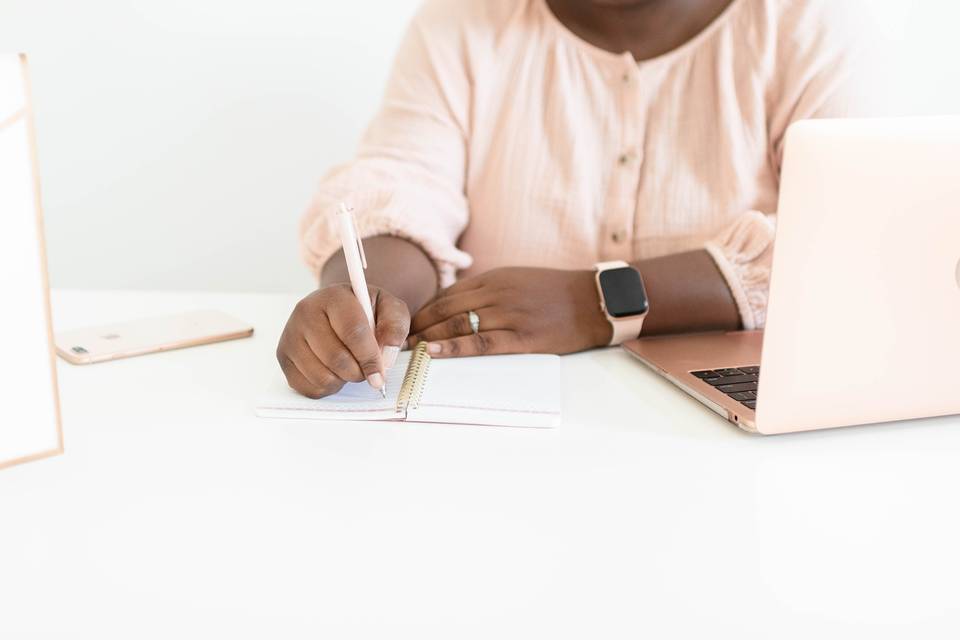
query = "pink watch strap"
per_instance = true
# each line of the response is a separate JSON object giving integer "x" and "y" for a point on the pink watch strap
{"x": 623, "y": 328}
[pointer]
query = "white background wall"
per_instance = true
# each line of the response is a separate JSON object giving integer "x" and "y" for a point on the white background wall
{"x": 180, "y": 139}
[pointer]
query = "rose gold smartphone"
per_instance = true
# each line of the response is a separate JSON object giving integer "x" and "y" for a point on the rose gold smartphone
{"x": 150, "y": 335}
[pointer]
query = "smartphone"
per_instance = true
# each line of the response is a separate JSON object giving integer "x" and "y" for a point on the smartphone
{"x": 150, "y": 335}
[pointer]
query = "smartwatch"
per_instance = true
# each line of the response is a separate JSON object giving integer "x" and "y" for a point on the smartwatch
{"x": 623, "y": 299}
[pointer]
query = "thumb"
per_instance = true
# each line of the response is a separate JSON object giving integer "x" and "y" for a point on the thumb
{"x": 393, "y": 326}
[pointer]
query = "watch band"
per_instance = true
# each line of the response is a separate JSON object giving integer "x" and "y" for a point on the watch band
{"x": 613, "y": 264}
{"x": 623, "y": 328}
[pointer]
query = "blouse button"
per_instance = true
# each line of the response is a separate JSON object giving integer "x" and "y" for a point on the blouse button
{"x": 625, "y": 77}
{"x": 618, "y": 236}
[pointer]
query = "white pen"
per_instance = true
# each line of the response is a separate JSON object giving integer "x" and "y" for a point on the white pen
{"x": 356, "y": 263}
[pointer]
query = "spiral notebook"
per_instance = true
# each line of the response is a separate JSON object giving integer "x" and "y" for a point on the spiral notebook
{"x": 508, "y": 391}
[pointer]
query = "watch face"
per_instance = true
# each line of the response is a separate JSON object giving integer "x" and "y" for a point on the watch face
{"x": 623, "y": 292}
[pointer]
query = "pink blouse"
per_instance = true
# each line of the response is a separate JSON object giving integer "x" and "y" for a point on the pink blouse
{"x": 506, "y": 140}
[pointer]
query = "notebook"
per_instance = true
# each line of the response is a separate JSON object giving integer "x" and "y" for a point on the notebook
{"x": 508, "y": 391}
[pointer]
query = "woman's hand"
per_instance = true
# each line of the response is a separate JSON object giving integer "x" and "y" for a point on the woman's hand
{"x": 328, "y": 342}
{"x": 521, "y": 310}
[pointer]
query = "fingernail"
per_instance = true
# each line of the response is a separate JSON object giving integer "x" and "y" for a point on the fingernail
{"x": 375, "y": 380}
{"x": 434, "y": 347}
{"x": 389, "y": 356}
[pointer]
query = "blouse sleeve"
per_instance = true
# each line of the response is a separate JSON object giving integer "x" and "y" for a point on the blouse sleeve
{"x": 407, "y": 179}
{"x": 816, "y": 72}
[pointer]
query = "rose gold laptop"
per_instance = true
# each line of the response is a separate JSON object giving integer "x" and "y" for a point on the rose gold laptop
{"x": 863, "y": 321}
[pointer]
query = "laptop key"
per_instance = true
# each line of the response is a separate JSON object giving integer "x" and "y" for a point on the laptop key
{"x": 750, "y": 404}
{"x": 738, "y": 388}
{"x": 705, "y": 374}
{"x": 744, "y": 395}
{"x": 740, "y": 379}
{"x": 750, "y": 370}
{"x": 730, "y": 372}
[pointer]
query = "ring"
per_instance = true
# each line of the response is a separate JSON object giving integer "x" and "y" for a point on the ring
{"x": 474, "y": 321}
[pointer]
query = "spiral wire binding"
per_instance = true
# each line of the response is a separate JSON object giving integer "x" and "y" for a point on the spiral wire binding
{"x": 415, "y": 379}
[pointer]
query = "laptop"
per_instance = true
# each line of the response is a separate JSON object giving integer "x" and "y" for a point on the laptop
{"x": 863, "y": 316}
{"x": 30, "y": 419}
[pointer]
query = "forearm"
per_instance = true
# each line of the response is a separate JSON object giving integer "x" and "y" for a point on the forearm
{"x": 394, "y": 264}
{"x": 687, "y": 294}
{"x": 544, "y": 310}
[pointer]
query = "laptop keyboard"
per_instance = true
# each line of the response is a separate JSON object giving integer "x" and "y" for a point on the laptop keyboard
{"x": 740, "y": 384}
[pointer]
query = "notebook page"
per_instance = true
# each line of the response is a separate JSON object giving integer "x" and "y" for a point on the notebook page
{"x": 509, "y": 391}
{"x": 355, "y": 401}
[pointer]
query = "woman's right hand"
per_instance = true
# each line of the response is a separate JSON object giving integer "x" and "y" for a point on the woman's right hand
{"x": 328, "y": 342}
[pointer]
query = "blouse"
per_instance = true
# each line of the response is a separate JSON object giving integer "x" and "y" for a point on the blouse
{"x": 504, "y": 139}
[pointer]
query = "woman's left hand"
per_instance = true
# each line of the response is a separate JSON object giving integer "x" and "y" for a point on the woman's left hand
{"x": 521, "y": 310}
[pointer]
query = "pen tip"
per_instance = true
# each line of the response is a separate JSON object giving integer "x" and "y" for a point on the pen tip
{"x": 383, "y": 392}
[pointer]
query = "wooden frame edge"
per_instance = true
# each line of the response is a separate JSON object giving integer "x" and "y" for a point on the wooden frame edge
{"x": 41, "y": 238}
{"x": 6, "y": 464}
{"x": 19, "y": 113}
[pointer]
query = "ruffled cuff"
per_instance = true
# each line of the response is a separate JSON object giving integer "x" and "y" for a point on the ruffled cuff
{"x": 379, "y": 212}
{"x": 744, "y": 255}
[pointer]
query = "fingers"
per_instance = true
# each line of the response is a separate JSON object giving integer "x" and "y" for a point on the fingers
{"x": 458, "y": 325}
{"x": 491, "y": 318}
{"x": 332, "y": 353}
{"x": 328, "y": 341}
{"x": 464, "y": 285}
{"x": 352, "y": 328}
{"x": 322, "y": 381}
{"x": 393, "y": 326}
{"x": 448, "y": 306}
{"x": 485, "y": 343}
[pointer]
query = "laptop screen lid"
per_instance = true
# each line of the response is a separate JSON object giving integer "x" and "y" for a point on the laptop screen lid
{"x": 863, "y": 319}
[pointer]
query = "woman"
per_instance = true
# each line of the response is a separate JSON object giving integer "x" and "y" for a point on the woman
{"x": 521, "y": 142}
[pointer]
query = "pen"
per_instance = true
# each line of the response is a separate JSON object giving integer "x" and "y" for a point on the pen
{"x": 356, "y": 263}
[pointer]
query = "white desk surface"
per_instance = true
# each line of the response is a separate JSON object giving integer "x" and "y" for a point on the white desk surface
{"x": 176, "y": 513}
